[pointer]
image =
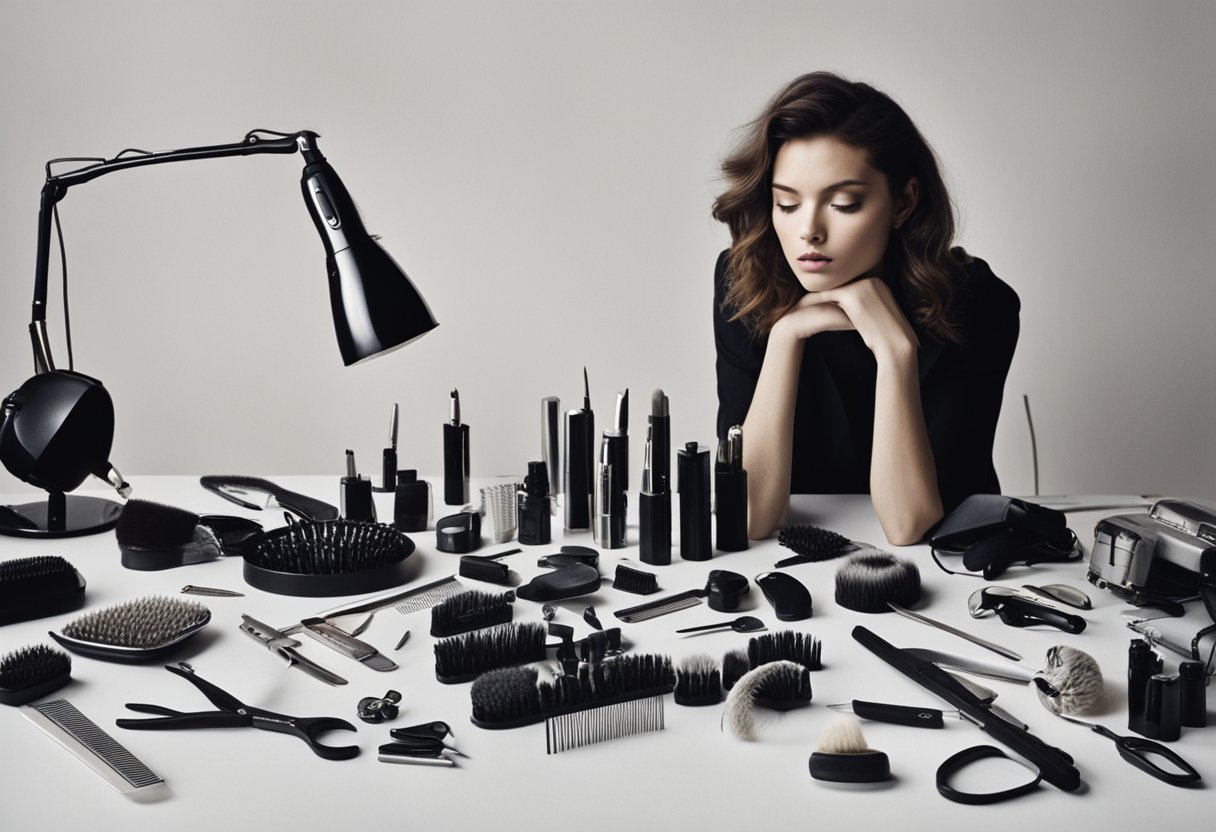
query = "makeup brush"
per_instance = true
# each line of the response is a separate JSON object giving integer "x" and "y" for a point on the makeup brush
{"x": 842, "y": 755}
{"x": 780, "y": 685}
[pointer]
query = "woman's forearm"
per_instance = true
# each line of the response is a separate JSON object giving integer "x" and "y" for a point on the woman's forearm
{"x": 768, "y": 434}
{"x": 903, "y": 481}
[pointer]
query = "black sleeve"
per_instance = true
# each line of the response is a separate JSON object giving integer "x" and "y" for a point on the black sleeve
{"x": 739, "y": 359}
{"x": 963, "y": 392}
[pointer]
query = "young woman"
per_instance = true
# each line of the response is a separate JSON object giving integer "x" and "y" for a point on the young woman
{"x": 860, "y": 352}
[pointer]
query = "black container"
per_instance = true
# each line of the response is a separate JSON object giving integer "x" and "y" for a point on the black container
{"x": 533, "y": 512}
{"x": 357, "y": 502}
{"x": 1142, "y": 665}
{"x": 1162, "y": 708}
{"x": 655, "y": 533}
{"x": 455, "y": 464}
{"x": 1192, "y": 694}
{"x": 411, "y": 502}
{"x": 692, "y": 472}
{"x": 579, "y": 468}
{"x": 731, "y": 488}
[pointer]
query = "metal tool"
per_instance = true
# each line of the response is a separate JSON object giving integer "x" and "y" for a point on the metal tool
{"x": 278, "y": 642}
{"x": 332, "y": 636}
{"x": 1006, "y": 673}
{"x": 742, "y": 624}
{"x": 1017, "y": 610}
{"x": 234, "y": 713}
{"x": 191, "y": 589}
{"x": 1140, "y": 752}
{"x": 421, "y": 745}
{"x": 987, "y": 645}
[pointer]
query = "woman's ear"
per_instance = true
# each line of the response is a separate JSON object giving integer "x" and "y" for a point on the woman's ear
{"x": 907, "y": 203}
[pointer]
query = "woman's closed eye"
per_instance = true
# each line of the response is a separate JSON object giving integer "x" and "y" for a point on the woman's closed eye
{"x": 846, "y": 208}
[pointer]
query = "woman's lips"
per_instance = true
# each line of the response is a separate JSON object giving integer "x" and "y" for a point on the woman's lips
{"x": 808, "y": 264}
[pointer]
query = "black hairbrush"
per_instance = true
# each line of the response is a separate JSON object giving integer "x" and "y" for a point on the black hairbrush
{"x": 156, "y": 536}
{"x": 811, "y": 543}
{"x": 636, "y": 581}
{"x": 335, "y": 557}
{"x": 472, "y": 610}
{"x": 506, "y": 698}
{"x": 871, "y": 580}
{"x": 38, "y": 586}
{"x": 31, "y": 672}
{"x": 463, "y": 658}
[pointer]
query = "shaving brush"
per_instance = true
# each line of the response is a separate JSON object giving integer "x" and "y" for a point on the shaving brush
{"x": 1071, "y": 683}
{"x": 842, "y": 755}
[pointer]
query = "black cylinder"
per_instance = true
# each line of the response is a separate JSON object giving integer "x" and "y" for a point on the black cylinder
{"x": 1192, "y": 694}
{"x": 1162, "y": 712}
{"x": 533, "y": 513}
{"x": 731, "y": 488}
{"x": 654, "y": 536}
{"x": 1142, "y": 665}
{"x": 692, "y": 472}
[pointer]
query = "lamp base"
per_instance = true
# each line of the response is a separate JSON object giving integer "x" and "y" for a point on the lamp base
{"x": 60, "y": 515}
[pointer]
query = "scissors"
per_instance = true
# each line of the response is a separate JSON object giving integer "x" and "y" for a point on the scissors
{"x": 1139, "y": 752}
{"x": 233, "y": 713}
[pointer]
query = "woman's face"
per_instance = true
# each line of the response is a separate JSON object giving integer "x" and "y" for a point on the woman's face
{"x": 832, "y": 212}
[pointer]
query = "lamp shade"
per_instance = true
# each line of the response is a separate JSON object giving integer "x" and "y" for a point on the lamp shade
{"x": 376, "y": 307}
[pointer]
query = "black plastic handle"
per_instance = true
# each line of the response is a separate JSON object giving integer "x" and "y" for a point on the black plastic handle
{"x": 899, "y": 714}
{"x": 1019, "y": 612}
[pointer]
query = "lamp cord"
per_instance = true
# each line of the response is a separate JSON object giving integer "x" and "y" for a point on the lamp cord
{"x": 63, "y": 260}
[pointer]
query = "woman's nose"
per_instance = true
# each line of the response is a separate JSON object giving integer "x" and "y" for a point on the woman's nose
{"x": 813, "y": 230}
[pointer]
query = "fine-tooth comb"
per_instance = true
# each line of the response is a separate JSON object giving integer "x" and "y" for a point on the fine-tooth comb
{"x": 662, "y": 606}
{"x": 93, "y": 746}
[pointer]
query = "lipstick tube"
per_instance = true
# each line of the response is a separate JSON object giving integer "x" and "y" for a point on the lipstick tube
{"x": 654, "y": 508}
{"x": 693, "y": 474}
{"x": 455, "y": 455}
{"x": 579, "y": 453}
{"x": 610, "y": 502}
{"x": 551, "y": 441}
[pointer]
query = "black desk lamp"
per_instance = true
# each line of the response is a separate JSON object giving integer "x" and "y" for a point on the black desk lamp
{"x": 58, "y": 427}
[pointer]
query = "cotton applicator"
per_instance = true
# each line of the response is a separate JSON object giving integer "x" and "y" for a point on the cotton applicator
{"x": 842, "y": 756}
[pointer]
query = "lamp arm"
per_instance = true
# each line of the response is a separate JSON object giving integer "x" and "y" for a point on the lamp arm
{"x": 56, "y": 187}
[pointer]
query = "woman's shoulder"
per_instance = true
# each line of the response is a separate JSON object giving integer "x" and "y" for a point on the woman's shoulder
{"x": 982, "y": 290}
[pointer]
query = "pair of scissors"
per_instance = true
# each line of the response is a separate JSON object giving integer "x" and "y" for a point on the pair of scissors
{"x": 1140, "y": 752}
{"x": 233, "y": 713}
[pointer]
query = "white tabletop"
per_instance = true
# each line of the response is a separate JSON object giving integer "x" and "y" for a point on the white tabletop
{"x": 692, "y": 775}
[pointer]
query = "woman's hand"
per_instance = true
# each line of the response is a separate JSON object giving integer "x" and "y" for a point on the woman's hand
{"x": 810, "y": 317}
{"x": 870, "y": 308}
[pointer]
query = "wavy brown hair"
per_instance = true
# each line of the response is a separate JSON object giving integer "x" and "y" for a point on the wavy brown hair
{"x": 923, "y": 268}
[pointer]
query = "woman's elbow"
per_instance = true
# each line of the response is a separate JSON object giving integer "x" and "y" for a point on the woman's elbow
{"x": 908, "y": 529}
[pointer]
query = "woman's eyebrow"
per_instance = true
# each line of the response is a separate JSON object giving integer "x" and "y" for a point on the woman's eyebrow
{"x": 833, "y": 187}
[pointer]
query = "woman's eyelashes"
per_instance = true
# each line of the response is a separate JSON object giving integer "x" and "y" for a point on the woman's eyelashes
{"x": 843, "y": 208}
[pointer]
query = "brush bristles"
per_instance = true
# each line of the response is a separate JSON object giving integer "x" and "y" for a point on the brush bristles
{"x": 332, "y": 547}
{"x": 472, "y": 610}
{"x": 146, "y": 524}
{"x": 698, "y": 682}
{"x": 636, "y": 581}
{"x": 464, "y": 658}
{"x": 141, "y": 624}
{"x": 41, "y": 573}
{"x": 785, "y": 645}
{"x": 623, "y": 678}
{"x": 31, "y": 666}
{"x": 779, "y": 685}
{"x": 735, "y": 666}
{"x": 506, "y": 698}
{"x": 842, "y": 736}
{"x": 813, "y": 543}
{"x": 1075, "y": 680}
{"x": 870, "y": 580}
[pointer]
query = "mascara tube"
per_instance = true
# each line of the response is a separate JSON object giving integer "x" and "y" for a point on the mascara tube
{"x": 388, "y": 469}
{"x": 610, "y": 498}
{"x": 579, "y": 455}
{"x": 455, "y": 455}
{"x": 654, "y": 507}
{"x": 693, "y": 474}
{"x": 551, "y": 441}
{"x": 730, "y": 484}
{"x": 620, "y": 442}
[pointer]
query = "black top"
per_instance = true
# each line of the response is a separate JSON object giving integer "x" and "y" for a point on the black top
{"x": 960, "y": 387}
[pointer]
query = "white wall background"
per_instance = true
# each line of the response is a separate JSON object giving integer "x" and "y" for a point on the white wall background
{"x": 544, "y": 171}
